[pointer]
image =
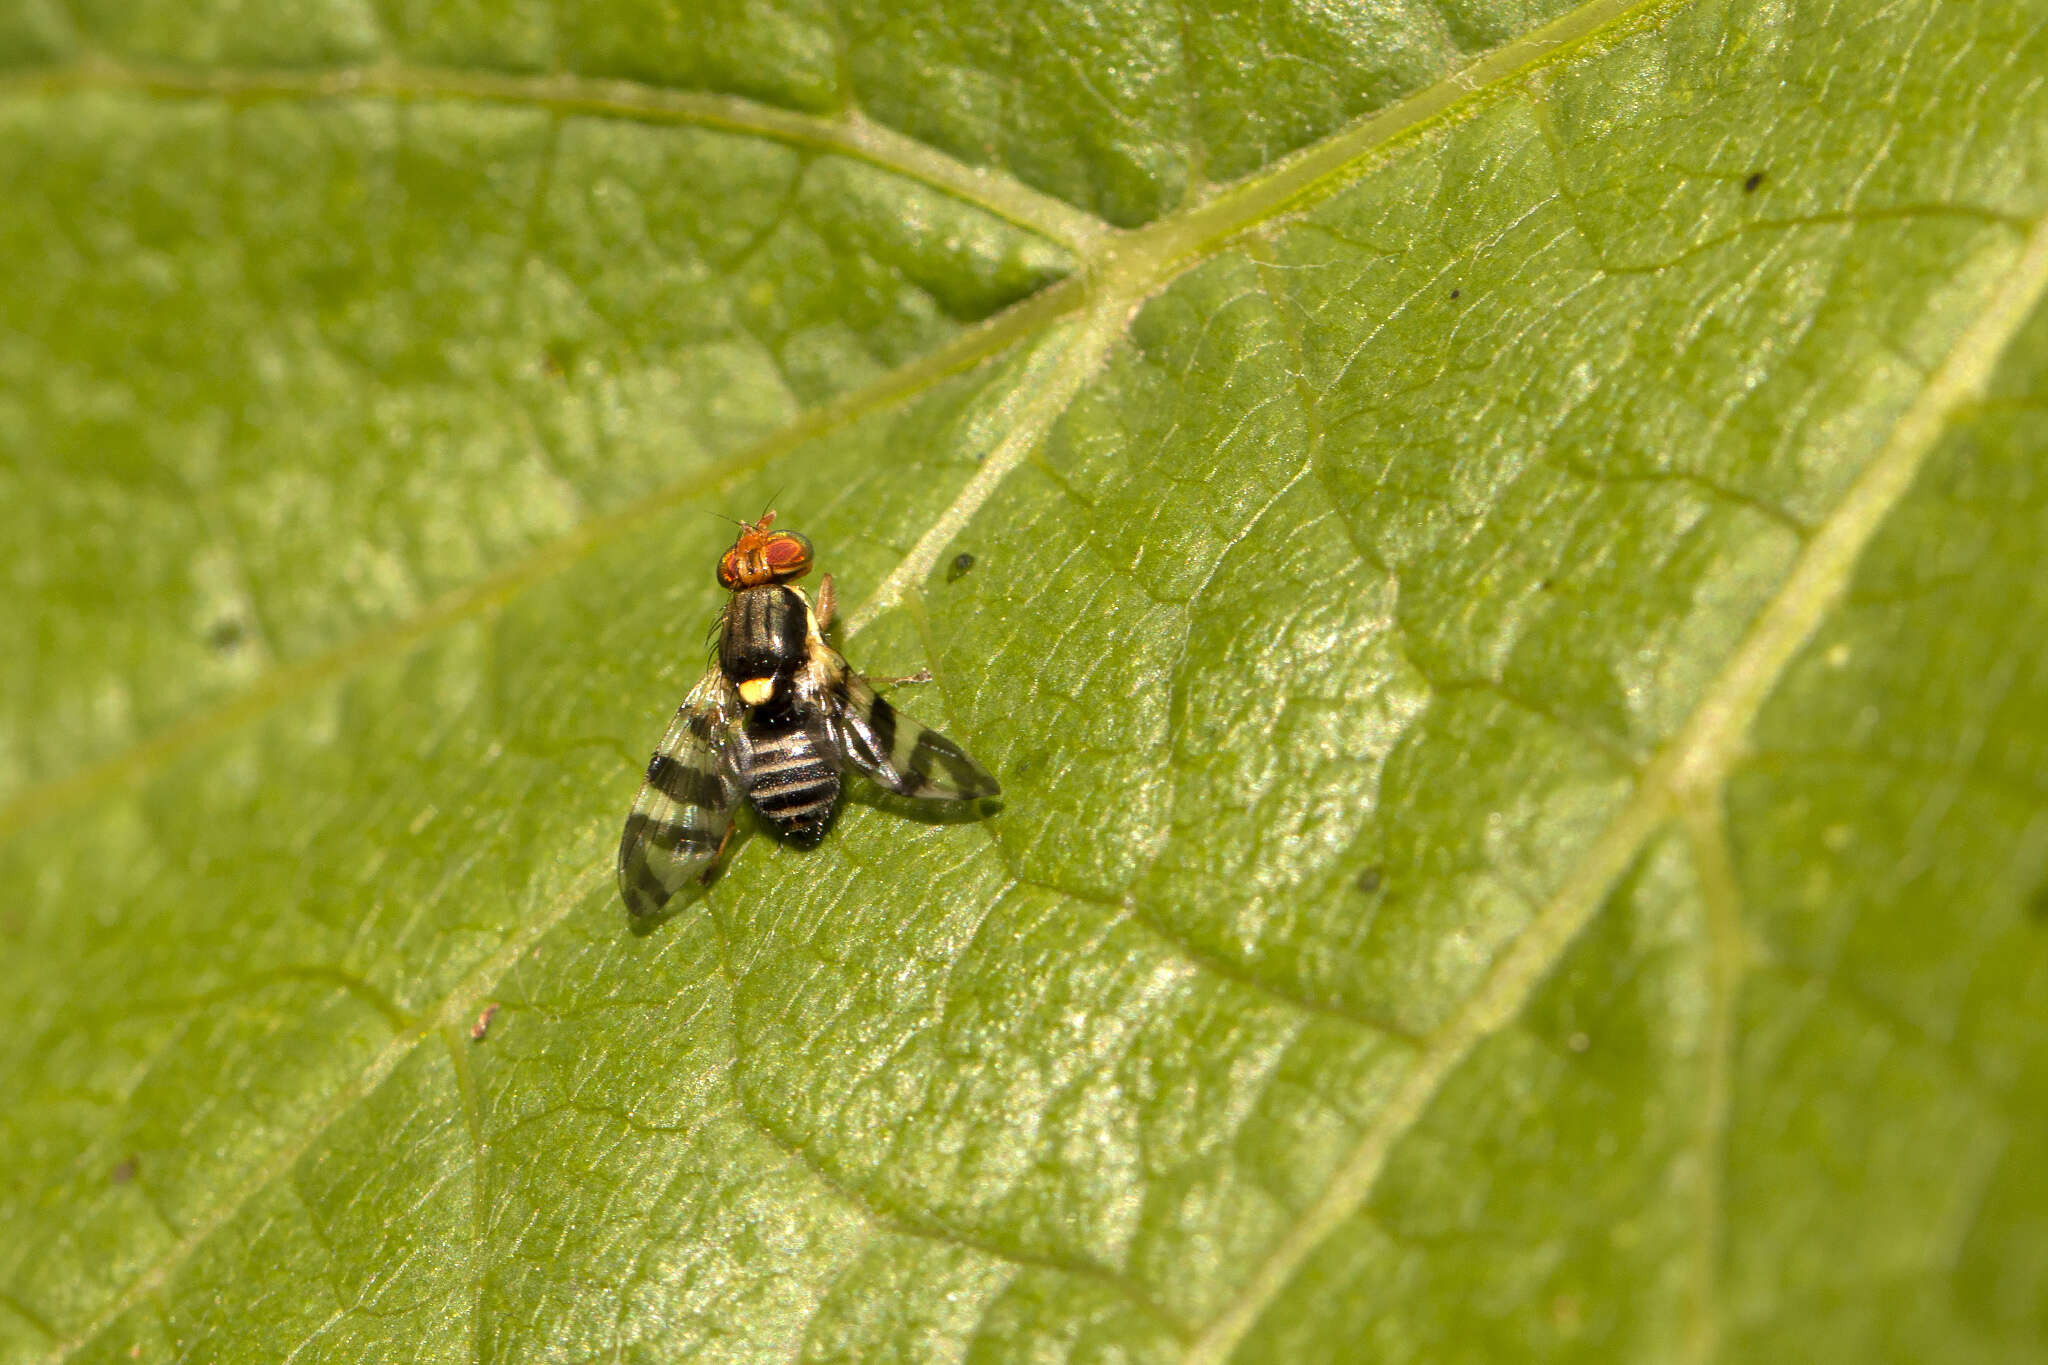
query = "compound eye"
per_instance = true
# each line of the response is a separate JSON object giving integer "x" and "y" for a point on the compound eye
{"x": 787, "y": 555}
{"x": 729, "y": 570}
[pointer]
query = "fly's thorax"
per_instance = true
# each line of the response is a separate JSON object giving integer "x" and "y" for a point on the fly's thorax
{"x": 764, "y": 643}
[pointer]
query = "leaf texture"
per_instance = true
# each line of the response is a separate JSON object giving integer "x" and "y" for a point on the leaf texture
{"x": 1493, "y": 549}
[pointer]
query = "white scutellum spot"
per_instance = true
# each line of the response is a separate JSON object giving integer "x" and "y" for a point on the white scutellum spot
{"x": 757, "y": 691}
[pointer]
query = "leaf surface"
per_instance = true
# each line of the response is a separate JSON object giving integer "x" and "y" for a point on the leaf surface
{"x": 1494, "y": 550}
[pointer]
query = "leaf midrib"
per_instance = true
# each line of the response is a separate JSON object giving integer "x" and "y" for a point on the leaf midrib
{"x": 1125, "y": 269}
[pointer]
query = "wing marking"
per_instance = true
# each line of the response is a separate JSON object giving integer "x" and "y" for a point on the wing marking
{"x": 680, "y": 818}
{"x": 897, "y": 752}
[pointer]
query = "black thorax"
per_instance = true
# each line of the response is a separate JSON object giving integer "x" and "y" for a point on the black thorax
{"x": 763, "y": 637}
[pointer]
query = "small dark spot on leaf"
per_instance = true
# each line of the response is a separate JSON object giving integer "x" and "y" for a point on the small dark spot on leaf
{"x": 1756, "y": 178}
{"x": 482, "y": 1025}
{"x": 1456, "y": 292}
{"x": 1545, "y": 584}
{"x": 224, "y": 635}
{"x": 123, "y": 1172}
{"x": 962, "y": 562}
{"x": 555, "y": 360}
{"x": 2037, "y": 905}
{"x": 1370, "y": 880}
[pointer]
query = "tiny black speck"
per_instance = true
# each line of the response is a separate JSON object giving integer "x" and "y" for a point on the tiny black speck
{"x": 224, "y": 635}
{"x": 1370, "y": 879}
{"x": 1756, "y": 178}
{"x": 962, "y": 562}
{"x": 1455, "y": 293}
{"x": 123, "y": 1173}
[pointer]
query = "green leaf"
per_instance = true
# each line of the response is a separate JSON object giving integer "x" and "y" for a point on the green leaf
{"x": 1495, "y": 551}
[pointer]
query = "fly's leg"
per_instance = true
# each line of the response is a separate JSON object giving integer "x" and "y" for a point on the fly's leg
{"x": 711, "y": 868}
{"x": 828, "y": 600}
{"x": 923, "y": 675}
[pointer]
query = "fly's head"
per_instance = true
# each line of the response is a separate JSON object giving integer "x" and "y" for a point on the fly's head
{"x": 763, "y": 556}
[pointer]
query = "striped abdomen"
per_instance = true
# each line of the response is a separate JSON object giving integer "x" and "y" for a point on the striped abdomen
{"x": 790, "y": 777}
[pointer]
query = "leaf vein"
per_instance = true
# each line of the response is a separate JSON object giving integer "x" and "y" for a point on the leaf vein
{"x": 893, "y": 1218}
{"x": 464, "y": 997}
{"x": 850, "y": 135}
{"x": 1728, "y": 960}
{"x": 1692, "y": 768}
{"x": 1131, "y": 265}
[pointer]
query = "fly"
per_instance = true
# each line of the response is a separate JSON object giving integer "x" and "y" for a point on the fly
{"x": 777, "y": 719}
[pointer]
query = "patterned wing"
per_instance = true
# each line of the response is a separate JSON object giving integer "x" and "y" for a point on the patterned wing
{"x": 685, "y": 806}
{"x": 896, "y": 751}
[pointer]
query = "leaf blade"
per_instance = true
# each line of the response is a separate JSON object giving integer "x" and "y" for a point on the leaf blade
{"x": 1094, "y": 1086}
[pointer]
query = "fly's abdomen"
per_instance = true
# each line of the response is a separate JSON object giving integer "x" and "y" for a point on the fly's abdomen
{"x": 789, "y": 776}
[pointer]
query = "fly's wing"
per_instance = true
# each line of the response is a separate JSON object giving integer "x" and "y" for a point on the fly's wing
{"x": 895, "y": 750}
{"x": 685, "y": 806}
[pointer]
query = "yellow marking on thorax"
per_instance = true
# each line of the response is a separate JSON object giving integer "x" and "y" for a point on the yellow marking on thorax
{"x": 757, "y": 691}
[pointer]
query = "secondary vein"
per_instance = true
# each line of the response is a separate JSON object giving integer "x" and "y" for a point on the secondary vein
{"x": 454, "y": 1008}
{"x": 1119, "y": 270}
{"x": 1692, "y": 768}
{"x": 1051, "y": 380}
{"x": 851, "y": 134}
{"x": 1697, "y": 761}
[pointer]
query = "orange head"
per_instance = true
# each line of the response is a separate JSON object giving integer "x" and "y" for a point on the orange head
{"x": 764, "y": 556}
